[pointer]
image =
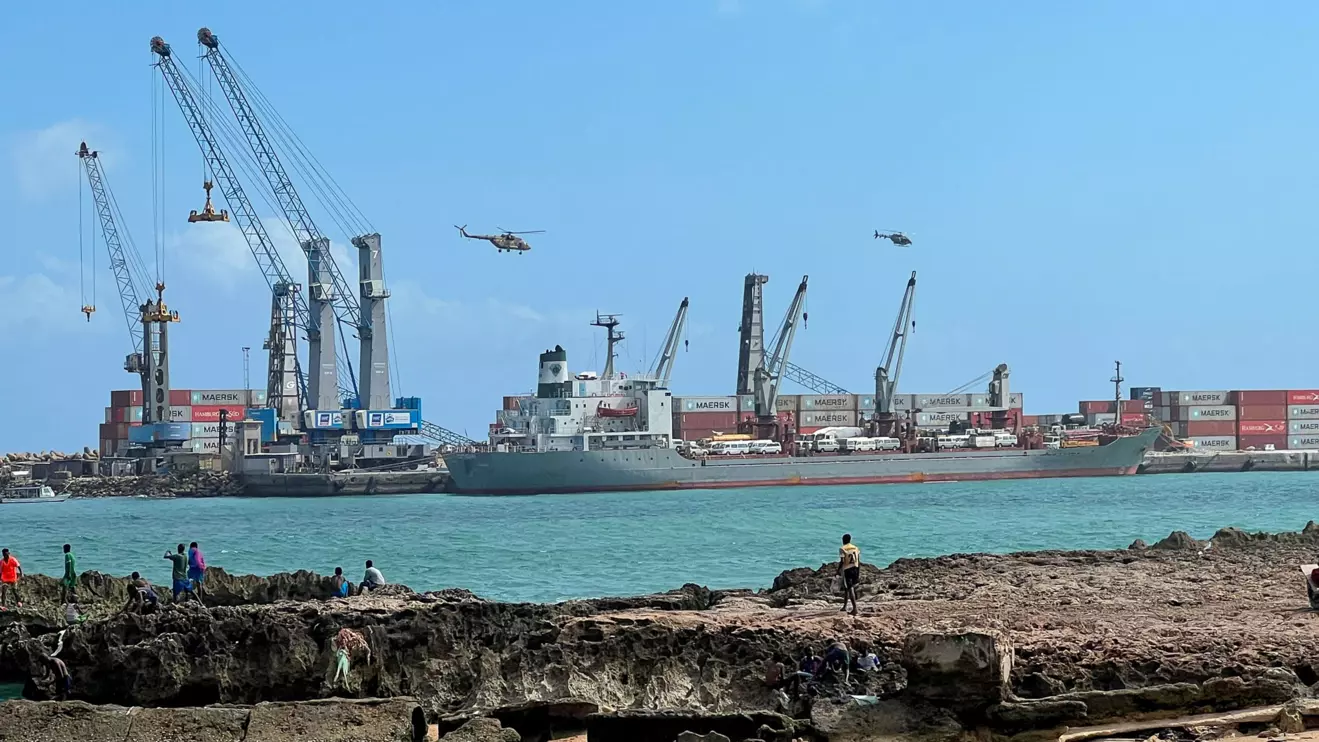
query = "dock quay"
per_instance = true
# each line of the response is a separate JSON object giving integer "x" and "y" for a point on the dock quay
{"x": 1185, "y": 462}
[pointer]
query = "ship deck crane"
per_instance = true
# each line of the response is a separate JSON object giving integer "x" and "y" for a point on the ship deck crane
{"x": 664, "y": 365}
{"x": 249, "y": 224}
{"x": 751, "y": 345}
{"x": 890, "y": 366}
{"x": 769, "y": 373}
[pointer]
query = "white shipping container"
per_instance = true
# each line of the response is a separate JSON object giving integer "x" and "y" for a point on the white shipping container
{"x": 1169, "y": 399}
{"x": 746, "y": 402}
{"x": 209, "y": 430}
{"x": 706, "y": 404}
{"x": 823, "y": 402}
{"x": 1304, "y": 426}
{"x": 828, "y": 419}
{"x": 787, "y": 403}
{"x": 865, "y": 403}
{"x": 256, "y": 398}
{"x": 943, "y": 401}
{"x": 1303, "y": 412}
{"x": 1101, "y": 418}
{"x": 1214, "y": 443}
{"x": 1216, "y": 412}
{"x": 1016, "y": 401}
{"x": 1197, "y": 399}
{"x": 940, "y": 419}
{"x": 180, "y": 414}
{"x": 1303, "y": 442}
{"x": 203, "y": 445}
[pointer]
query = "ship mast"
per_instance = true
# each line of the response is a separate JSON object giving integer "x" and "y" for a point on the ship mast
{"x": 609, "y": 322}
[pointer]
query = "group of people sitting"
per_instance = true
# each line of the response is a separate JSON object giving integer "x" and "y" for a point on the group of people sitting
{"x": 142, "y": 596}
{"x": 817, "y": 675}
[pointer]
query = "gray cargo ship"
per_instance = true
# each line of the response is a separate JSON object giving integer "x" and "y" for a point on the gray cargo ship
{"x": 609, "y": 432}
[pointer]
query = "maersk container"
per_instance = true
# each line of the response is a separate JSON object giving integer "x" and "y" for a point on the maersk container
{"x": 865, "y": 402}
{"x": 1213, "y": 443}
{"x": 1308, "y": 427}
{"x": 940, "y": 419}
{"x": 256, "y": 398}
{"x": 788, "y": 403}
{"x": 209, "y": 430}
{"x": 828, "y": 419}
{"x": 1307, "y": 397}
{"x": 943, "y": 401}
{"x": 705, "y": 404}
{"x": 123, "y": 414}
{"x": 1214, "y": 412}
{"x": 1303, "y": 442}
{"x": 203, "y": 445}
{"x": 181, "y": 414}
{"x": 220, "y": 397}
{"x": 1016, "y": 400}
{"x": 822, "y": 402}
{"x": 1200, "y": 399}
{"x": 1303, "y": 412}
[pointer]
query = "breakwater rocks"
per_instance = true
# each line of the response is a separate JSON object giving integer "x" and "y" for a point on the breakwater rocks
{"x": 1029, "y": 644}
{"x": 192, "y": 484}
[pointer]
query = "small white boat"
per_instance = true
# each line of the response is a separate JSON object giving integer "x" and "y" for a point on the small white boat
{"x": 29, "y": 493}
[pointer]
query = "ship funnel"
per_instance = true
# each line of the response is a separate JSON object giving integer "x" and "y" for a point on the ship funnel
{"x": 553, "y": 372}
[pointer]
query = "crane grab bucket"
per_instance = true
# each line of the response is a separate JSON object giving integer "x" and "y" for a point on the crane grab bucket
{"x": 208, "y": 212}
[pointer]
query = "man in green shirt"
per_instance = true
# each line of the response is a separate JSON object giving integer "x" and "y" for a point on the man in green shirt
{"x": 69, "y": 584}
{"x": 180, "y": 572}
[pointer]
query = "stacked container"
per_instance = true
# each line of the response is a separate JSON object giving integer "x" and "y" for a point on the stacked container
{"x": 1261, "y": 419}
{"x": 1303, "y": 419}
{"x": 695, "y": 418}
{"x": 199, "y": 409}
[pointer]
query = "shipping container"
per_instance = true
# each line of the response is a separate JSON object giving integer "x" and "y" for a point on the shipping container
{"x": 180, "y": 397}
{"x": 1169, "y": 399}
{"x": 1133, "y": 418}
{"x": 210, "y": 413}
{"x": 210, "y": 430}
{"x": 182, "y": 414}
{"x": 1203, "y": 399}
{"x": 123, "y": 414}
{"x": 1210, "y": 428}
{"x": 865, "y": 402}
{"x": 1016, "y": 400}
{"x": 1095, "y": 406}
{"x": 1146, "y": 394}
{"x": 1163, "y": 413}
{"x": 705, "y": 404}
{"x": 203, "y": 445}
{"x": 220, "y": 397}
{"x": 1306, "y": 442}
{"x": 1214, "y": 412}
{"x": 1307, "y": 427}
{"x": 515, "y": 403}
{"x": 1262, "y": 412}
{"x": 1258, "y": 397}
{"x": 828, "y": 419}
{"x": 1262, "y": 442}
{"x": 1101, "y": 418}
{"x": 1263, "y": 427}
{"x": 126, "y": 398}
{"x": 940, "y": 419}
{"x": 1303, "y": 412}
{"x": 1214, "y": 443}
{"x": 115, "y": 431}
{"x": 827, "y": 402}
{"x": 257, "y": 398}
{"x": 708, "y": 419}
{"x": 1029, "y": 420}
{"x": 943, "y": 401}
{"x": 1303, "y": 397}
{"x": 904, "y": 402}
{"x": 787, "y": 403}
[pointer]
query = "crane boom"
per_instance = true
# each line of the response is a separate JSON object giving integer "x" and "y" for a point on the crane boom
{"x": 132, "y": 289}
{"x": 329, "y": 295}
{"x": 890, "y": 367}
{"x": 814, "y": 382}
{"x": 254, "y": 232}
{"x": 770, "y": 373}
{"x": 664, "y": 367}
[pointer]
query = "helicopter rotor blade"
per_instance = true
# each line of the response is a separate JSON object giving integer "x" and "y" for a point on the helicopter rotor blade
{"x": 530, "y": 231}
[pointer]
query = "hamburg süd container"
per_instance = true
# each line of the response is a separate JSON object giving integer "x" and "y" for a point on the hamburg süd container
{"x": 1303, "y": 397}
{"x": 1261, "y": 412}
{"x": 1264, "y": 427}
{"x": 1303, "y": 412}
{"x": 1214, "y": 443}
{"x": 1202, "y": 399}
{"x": 706, "y": 404}
{"x": 827, "y": 402}
{"x": 1262, "y": 442}
{"x": 211, "y": 413}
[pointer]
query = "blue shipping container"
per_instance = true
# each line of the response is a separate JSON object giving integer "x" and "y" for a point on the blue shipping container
{"x": 141, "y": 434}
{"x": 173, "y": 431}
{"x": 265, "y": 416}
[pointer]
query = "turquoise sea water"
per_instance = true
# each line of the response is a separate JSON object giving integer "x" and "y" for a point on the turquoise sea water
{"x": 561, "y": 546}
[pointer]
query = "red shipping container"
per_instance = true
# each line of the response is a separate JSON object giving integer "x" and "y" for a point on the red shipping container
{"x": 1030, "y": 419}
{"x": 180, "y": 397}
{"x": 1197, "y": 428}
{"x": 126, "y": 398}
{"x": 1262, "y": 412}
{"x": 1259, "y": 442}
{"x": 211, "y": 414}
{"x": 1256, "y": 397}
{"x": 1261, "y": 427}
{"x": 1133, "y": 418}
{"x": 1133, "y": 405}
{"x": 1096, "y": 407}
{"x": 1303, "y": 396}
{"x": 709, "y": 420}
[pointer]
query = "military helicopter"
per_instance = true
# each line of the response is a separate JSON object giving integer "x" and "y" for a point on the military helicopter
{"x": 506, "y": 241}
{"x": 898, "y": 238}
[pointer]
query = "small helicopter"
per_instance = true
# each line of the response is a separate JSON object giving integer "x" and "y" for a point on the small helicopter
{"x": 898, "y": 238}
{"x": 505, "y": 241}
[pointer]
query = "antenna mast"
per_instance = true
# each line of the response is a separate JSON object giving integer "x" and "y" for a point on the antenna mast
{"x": 1117, "y": 392}
{"x": 609, "y": 322}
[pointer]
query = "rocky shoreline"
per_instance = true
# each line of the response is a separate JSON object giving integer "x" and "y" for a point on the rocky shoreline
{"x": 1028, "y": 645}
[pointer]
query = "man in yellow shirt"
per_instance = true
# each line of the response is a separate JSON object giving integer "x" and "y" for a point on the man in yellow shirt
{"x": 849, "y": 566}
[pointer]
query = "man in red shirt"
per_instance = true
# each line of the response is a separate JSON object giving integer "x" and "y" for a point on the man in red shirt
{"x": 10, "y": 572}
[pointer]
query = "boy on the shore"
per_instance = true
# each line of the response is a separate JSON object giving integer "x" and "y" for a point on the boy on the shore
{"x": 69, "y": 583}
{"x": 10, "y": 573}
{"x": 179, "y": 574}
{"x": 849, "y": 566}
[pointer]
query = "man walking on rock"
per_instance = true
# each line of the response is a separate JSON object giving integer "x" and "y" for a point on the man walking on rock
{"x": 849, "y": 566}
{"x": 69, "y": 583}
{"x": 10, "y": 573}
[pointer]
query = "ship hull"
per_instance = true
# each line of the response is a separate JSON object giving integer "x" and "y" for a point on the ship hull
{"x": 561, "y": 472}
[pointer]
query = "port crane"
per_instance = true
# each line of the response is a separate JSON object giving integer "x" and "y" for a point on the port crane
{"x": 505, "y": 241}
{"x": 148, "y": 318}
{"x": 885, "y": 420}
{"x": 664, "y": 364}
{"x": 751, "y": 345}
{"x": 768, "y": 374}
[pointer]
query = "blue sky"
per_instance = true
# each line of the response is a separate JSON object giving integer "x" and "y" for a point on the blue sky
{"x": 1084, "y": 182}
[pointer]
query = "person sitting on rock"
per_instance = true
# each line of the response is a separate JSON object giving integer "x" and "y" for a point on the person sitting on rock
{"x": 63, "y": 680}
{"x": 346, "y": 643}
{"x": 372, "y": 579}
{"x": 837, "y": 662}
{"x": 339, "y": 584}
{"x": 140, "y": 594}
{"x": 866, "y": 661}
